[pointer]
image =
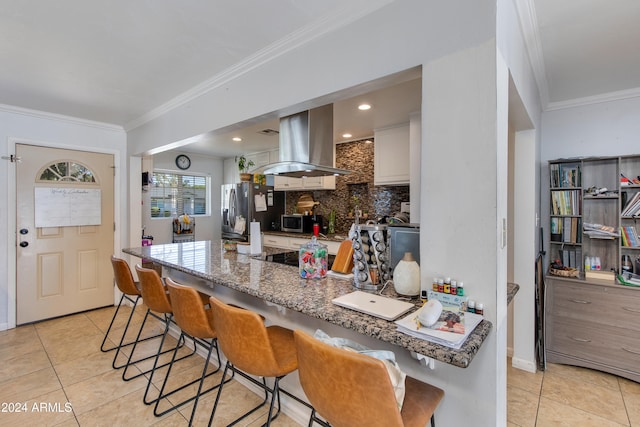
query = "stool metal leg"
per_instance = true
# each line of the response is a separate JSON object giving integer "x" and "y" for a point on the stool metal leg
{"x": 106, "y": 335}
{"x": 121, "y": 344}
{"x": 275, "y": 395}
{"x": 129, "y": 362}
{"x": 162, "y": 395}
{"x": 314, "y": 418}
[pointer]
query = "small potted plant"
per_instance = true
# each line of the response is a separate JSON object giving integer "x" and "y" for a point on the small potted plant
{"x": 243, "y": 167}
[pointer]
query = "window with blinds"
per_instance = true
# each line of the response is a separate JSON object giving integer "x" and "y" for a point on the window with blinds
{"x": 175, "y": 194}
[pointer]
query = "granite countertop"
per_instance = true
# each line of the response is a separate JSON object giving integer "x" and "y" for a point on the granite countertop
{"x": 327, "y": 237}
{"x": 281, "y": 284}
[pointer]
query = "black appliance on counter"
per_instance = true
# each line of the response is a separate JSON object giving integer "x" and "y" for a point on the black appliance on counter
{"x": 292, "y": 258}
{"x": 403, "y": 238}
{"x": 298, "y": 223}
{"x": 253, "y": 202}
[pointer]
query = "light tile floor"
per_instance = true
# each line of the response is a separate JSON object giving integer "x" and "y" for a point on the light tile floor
{"x": 52, "y": 373}
{"x": 570, "y": 396}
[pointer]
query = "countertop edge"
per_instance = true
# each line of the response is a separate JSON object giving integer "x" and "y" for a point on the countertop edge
{"x": 367, "y": 325}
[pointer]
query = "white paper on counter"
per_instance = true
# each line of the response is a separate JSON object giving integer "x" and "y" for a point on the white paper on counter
{"x": 255, "y": 236}
{"x": 261, "y": 202}
{"x": 240, "y": 225}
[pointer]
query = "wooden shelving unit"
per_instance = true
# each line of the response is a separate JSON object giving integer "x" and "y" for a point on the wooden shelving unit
{"x": 591, "y": 322}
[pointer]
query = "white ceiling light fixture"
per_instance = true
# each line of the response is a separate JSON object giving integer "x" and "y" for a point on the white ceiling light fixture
{"x": 364, "y": 107}
{"x": 236, "y": 139}
{"x": 346, "y": 135}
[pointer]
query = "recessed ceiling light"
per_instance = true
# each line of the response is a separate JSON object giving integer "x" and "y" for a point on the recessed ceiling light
{"x": 368, "y": 141}
{"x": 364, "y": 107}
{"x": 346, "y": 135}
{"x": 236, "y": 139}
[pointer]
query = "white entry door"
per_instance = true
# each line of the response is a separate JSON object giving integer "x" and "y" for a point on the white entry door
{"x": 65, "y": 231}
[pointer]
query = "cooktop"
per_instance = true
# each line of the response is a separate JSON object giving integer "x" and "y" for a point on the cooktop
{"x": 291, "y": 258}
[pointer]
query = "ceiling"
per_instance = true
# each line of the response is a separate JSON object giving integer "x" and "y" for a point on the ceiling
{"x": 99, "y": 61}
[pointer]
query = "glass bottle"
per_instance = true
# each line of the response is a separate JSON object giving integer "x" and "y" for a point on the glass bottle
{"x": 313, "y": 260}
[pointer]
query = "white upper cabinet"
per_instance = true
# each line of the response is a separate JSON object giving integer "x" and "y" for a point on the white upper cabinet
{"x": 392, "y": 158}
{"x": 274, "y": 156}
{"x": 259, "y": 159}
{"x": 283, "y": 183}
{"x": 280, "y": 183}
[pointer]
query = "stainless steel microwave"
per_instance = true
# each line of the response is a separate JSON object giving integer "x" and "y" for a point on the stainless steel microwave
{"x": 298, "y": 223}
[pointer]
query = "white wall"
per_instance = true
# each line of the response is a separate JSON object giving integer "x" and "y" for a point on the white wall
{"x": 207, "y": 226}
{"x": 459, "y": 226}
{"x": 395, "y": 38}
{"x": 19, "y": 125}
{"x": 603, "y": 129}
{"x": 511, "y": 46}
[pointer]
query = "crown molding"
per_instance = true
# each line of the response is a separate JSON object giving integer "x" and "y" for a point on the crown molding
{"x": 59, "y": 118}
{"x": 595, "y": 99}
{"x": 529, "y": 26}
{"x": 350, "y": 12}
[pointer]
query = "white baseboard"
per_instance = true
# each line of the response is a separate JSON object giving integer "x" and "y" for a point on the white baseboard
{"x": 525, "y": 365}
{"x": 4, "y": 326}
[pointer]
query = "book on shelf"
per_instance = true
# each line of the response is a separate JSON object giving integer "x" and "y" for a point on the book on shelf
{"x": 565, "y": 175}
{"x": 556, "y": 229}
{"x": 566, "y": 235}
{"x": 571, "y": 258}
{"x": 634, "y": 236}
{"x": 566, "y": 230}
{"x": 624, "y": 237}
{"x": 629, "y": 236}
{"x": 566, "y": 202}
{"x": 632, "y": 207}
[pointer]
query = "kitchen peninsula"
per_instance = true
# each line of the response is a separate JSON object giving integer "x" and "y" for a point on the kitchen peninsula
{"x": 206, "y": 266}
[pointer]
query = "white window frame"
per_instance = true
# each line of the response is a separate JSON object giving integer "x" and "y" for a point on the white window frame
{"x": 152, "y": 184}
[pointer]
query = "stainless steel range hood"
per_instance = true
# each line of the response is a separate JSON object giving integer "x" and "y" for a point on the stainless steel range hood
{"x": 306, "y": 145}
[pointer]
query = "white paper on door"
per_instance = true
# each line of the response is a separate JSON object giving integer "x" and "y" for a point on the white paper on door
{"x": 67, "y": 207}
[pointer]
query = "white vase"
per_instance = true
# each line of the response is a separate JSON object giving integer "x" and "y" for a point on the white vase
{"x": 406, "y": 276}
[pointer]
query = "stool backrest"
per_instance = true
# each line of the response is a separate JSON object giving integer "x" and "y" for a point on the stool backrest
{"x": 123, "y": 277}
{"x": 153, "y": 291}
{"x": 346, "y": 388}
{"x": 244, "y": 340}
{"x": 189, "y": 312}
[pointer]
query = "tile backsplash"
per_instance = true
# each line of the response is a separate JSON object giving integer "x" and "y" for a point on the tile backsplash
{"x": 357, "y": 187}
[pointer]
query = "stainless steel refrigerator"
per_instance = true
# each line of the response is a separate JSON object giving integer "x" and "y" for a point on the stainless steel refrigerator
{"x": 251, "y": 202}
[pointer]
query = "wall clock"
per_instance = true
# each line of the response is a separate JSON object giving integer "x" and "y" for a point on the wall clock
{"x": 183, "y": 162}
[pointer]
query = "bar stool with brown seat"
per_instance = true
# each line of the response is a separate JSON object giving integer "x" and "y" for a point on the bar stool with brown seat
{"x": 156, "y": 298}
{"x": 130, "y": 292}
{"x": 253, "y": 349}
{"x": 349, "y": 389}
{"x": 195, "y": 321}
